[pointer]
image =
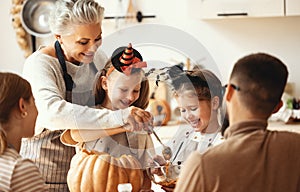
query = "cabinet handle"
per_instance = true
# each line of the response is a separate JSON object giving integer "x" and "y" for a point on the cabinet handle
{"x": 231, "y": 14}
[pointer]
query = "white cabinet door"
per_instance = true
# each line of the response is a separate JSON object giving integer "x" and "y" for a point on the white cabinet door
{"x": 292, "y": 7}
{"x": 241, "y": 8}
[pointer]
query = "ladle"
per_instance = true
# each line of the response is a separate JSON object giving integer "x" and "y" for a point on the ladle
{"x": 166, "y": 152}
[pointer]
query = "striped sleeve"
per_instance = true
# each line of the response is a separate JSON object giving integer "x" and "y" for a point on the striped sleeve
{"x": 26, "y": 177}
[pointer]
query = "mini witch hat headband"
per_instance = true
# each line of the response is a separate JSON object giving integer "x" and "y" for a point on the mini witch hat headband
{"x": 124, "y": 59}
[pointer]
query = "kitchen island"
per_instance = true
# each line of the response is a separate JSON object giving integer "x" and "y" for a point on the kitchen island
{"x": 167, "y": 132}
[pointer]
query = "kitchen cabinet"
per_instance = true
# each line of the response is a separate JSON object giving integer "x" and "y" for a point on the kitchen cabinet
{"x": 292, "y": 7}
{"x": 242, "y": 8}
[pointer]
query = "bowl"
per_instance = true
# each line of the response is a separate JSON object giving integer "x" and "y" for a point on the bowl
{"x": 35, "y": 15}
{"x": 166, "y": 175}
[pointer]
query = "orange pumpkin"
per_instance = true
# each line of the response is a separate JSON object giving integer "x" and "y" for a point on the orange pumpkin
{"x": 161, "y": 111}
{"x": 98, "y": 171}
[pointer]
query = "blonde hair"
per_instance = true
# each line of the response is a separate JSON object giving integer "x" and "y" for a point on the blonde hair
{"x": 100, "y": 93}
{"x": 12, "y": 88}
{"x": 74, "y": 12}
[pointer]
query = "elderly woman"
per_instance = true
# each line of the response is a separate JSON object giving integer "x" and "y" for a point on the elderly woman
{"x": 62, "y": 76}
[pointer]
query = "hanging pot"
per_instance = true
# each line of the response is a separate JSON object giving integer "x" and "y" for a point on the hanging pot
{"x": 35, "y": 16}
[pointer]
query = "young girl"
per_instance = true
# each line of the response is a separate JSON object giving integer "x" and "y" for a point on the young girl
{"x": 18, "y": 114}
{"x": 199, "y": 97}
{"x": 121, "y": 84}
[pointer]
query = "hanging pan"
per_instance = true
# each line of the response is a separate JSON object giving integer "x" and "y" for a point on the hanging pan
{"x": 35, "y": 16}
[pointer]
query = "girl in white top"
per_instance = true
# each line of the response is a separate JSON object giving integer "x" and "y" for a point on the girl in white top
{"x": 199, "y": 97}
{"x": 18, "y": 115}
{"x": 120, "y": 84}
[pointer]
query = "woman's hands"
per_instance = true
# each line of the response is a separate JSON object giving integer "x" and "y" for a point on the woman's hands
{"x": 138, "y": 120}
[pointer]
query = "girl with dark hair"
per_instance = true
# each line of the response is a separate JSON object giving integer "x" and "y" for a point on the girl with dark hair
{"x": 199, "y": 95}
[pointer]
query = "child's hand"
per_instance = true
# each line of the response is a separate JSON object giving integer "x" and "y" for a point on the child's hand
{"x": 160, "y": 160}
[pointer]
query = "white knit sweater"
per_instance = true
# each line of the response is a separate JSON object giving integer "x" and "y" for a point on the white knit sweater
{"x": 46, "y": 78}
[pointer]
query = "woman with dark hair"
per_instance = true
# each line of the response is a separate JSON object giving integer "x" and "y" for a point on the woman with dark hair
{"x": 17, "y": 120}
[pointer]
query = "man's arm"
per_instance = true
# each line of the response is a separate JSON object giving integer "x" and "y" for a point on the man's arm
{"x": 190, "y": 175}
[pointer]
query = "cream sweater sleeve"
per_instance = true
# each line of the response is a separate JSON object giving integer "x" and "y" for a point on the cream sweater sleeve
{"x": 55, "y": 113}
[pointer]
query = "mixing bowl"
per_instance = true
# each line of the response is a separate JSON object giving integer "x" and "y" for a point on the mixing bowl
{"x": 166, "y": 175}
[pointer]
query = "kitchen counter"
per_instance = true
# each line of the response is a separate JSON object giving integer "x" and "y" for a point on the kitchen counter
{"x": 293, "y": 126}
{"x": 167, "y": 132}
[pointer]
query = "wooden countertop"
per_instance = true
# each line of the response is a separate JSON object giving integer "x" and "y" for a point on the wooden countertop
{"x": 167, "y": 132}
{"x": 290, "y": 126}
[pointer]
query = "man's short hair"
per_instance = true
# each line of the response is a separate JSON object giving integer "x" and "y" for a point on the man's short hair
{"x": 261, "y": 79}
